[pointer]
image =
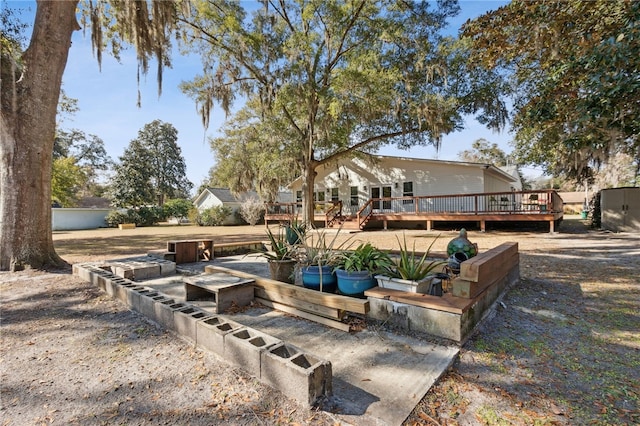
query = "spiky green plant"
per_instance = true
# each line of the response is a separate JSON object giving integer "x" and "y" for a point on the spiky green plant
{"x": 412, "y": 266}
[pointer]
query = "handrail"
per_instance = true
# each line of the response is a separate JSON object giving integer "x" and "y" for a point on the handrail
{"x": 545, "y": 201}
{"x": 333, "y": 213}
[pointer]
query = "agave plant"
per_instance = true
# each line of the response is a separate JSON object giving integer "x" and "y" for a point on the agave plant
{"x": 412, "y": 266}
{"x": 280, "y": 249}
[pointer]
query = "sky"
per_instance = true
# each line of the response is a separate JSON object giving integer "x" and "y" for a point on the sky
{"x": 107, "y": 99}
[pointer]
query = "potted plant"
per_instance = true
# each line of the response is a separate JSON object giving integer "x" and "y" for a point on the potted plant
{"x": 412, "y": 273}
{"x": 355, "y": 269}
{"x": 281, "y": 257}
{"x": 317, "y": 258}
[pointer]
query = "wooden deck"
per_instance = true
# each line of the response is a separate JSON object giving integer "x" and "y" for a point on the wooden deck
{"x": 516, "y": 206}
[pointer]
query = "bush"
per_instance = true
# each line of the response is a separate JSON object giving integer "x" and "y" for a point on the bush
{"x": 144, "y": 216}
{"x": 115, "y": 218}
{"x": 252, "y": 210}
{"x": 178, "y": 208}
{"x": 213, "y": 216}
{"x": 148, "y": 216}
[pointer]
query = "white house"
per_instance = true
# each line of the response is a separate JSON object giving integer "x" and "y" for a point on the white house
{"x": 356, "y": 180}
{"x": 212, "y": 197}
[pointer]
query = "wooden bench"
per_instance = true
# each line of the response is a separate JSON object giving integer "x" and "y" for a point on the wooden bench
{"x": 225, "y": 289}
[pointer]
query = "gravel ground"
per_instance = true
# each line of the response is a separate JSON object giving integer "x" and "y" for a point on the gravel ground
{"x": 562, "y": 348}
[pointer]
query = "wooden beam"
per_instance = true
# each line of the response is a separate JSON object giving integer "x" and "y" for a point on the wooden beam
{"x": 481, "y": 267}
{"x": 349, "y": 304}
{"x": 306, "y": 315}
{"x": 302, "y": 305}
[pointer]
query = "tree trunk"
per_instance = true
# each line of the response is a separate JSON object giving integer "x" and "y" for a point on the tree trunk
{"x": 28, "y": 119}
{"x": 308, "y": 205}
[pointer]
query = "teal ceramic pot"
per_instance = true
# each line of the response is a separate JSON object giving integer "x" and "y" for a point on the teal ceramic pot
{"x": 354, "y": 283}
{"x": 313, "y": 275}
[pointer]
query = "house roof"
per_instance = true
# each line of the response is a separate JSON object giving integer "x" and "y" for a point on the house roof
{"x": 224, "y": 195}
{"x": 505, "y": 175}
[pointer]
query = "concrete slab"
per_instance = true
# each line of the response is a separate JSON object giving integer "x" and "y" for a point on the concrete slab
{"x": 378, "y": 377}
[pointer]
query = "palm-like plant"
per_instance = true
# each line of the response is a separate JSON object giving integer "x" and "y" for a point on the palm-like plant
{"x": 412, "y": 266}
{"x": 365, "y": 258}
{"x": 280, "y": 249}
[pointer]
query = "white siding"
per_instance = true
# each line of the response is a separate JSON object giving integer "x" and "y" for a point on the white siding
{"x": 77, "y": 218}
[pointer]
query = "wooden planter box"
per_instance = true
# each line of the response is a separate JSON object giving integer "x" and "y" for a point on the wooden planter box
{"x": 127, "y": 226}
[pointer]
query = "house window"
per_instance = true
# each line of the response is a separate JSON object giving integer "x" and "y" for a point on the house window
{"x": 334, "y": 194}
{"x": 354, "y": 195}
{"x": 386, "y": 193}
{"x": 407, "y": 191}
{"x": 298, "y": 196}
{"x": 318, "y": 198}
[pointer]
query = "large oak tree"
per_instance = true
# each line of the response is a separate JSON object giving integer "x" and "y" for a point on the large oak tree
{"x": 332, "y": 76}
{"x": 574, "y": 69}
{"x": 29, "y": 96}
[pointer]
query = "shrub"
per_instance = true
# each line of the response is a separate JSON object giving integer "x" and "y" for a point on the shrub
{"x": 147, "y": 216}
{"x": 252, "y": 210}
{"x": 213, "y": 216}
{"x": 115, "y": 218}
{"x": 177, "y": 208}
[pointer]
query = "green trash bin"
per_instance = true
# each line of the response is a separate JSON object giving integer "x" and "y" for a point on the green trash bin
{"x": 583, "y": 214}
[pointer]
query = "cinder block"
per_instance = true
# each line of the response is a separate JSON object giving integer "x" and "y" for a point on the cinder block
{"x": 244, "y": 348}
{"x": 185, "y": 320}
{"x": 164, "y": 314}
{"x": 129, "y": 294}
{"x": 298, "y": 375}
{"x": 211, "y": 332}
{"x": 166, "y": 267}
{"x": 145, "y": 270}
{"x": 123, "y": 270}
{"x": 146, "y": 303}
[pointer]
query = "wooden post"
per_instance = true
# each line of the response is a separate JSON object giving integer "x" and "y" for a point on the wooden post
{"x": 428, "y": 225}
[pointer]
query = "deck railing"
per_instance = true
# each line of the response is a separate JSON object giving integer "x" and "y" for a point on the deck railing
{"x": 512, "y": 202}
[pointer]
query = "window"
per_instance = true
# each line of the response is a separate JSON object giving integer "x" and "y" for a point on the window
{"x": 298, "y": 196}
{"x": 407, "y": 191}
{"x": 354, "y": 195}
{"x": 386, "y": 193}
{"x": 318, "y": 198}
{"x": 334, "y": 194}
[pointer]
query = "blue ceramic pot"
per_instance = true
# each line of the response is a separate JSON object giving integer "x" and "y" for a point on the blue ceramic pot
{"x": 354, "y": 283}
{"x": 312, "y": 276}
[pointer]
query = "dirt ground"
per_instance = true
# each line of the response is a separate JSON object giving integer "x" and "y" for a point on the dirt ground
{"x": 563, "y": 346}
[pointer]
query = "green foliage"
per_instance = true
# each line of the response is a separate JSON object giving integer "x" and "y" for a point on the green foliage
{"x": 144, "y": 216}
{"x": 572, "y": 67}
{"x": 365, "y": 258}
{"x": 280, "y": 248}
{"x": 412, "y": 266}
{"x": 482, "y": 151}
{"x": 252, "y": 210}
{"x": 213, "y": 216}
{"x": 151, "y": 168}
{"x": 323, "y": 79}
{"x": 177, "y": 208}
{"x": 66, "y": 180}
{"x": 116, "y": 217}
{"x": 320, "y": 250}
{"x": 148, "y": 216}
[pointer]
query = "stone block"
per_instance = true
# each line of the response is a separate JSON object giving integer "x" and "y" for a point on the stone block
{"x": 164, "y": 313}
{"x": 146, "y": 303}
{"x": 211, "y": 332}
{"x": 244, "y": 348}
{"x": 185, "y": 320}
{"x": 299, "y": 375}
